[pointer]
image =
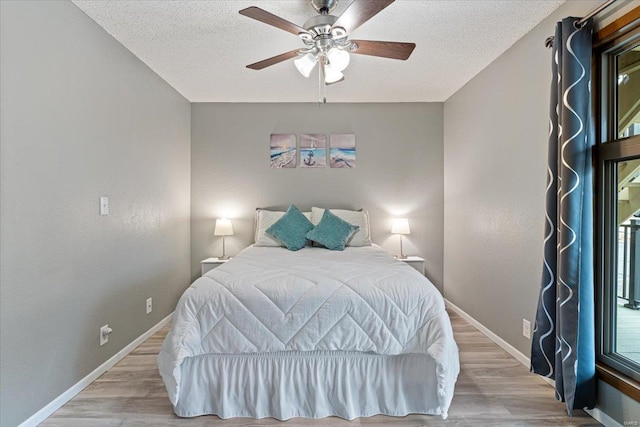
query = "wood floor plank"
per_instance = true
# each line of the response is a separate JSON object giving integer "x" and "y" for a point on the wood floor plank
{"x": 493, "y": 389}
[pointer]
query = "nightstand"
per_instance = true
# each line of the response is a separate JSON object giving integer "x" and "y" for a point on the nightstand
{"x": 211, "y": 263}
{"x": 415, "y": 262}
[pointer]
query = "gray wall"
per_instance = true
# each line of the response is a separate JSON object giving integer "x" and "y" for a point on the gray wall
{"x": 398, "y": 173}
{"x": 495, "y": 176}
{"x": 82, "y": 118}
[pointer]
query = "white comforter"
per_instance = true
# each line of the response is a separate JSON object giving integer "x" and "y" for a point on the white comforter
{"x": 272, "y": 299}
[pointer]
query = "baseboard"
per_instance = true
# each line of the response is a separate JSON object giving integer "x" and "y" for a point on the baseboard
{"x": 595, "y": 413}
{"x": 59, "y": 401}
{"x": 495, "y": 338}
{"x": 602, "y": 418}
{"x": 492, "y": 336}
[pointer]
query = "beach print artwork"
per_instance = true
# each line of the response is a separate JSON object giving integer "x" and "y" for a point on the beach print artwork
{"x": 343, "y": 150}
{"x": 313, "y": 150}
{"x": 283, "y": 150}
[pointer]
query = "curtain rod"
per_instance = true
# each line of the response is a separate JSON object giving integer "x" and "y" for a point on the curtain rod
{"x": 549, "y": 41}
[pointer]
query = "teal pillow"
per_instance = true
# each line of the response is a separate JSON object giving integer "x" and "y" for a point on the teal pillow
{"x": 332, "y": 232}
{"x": 291, "y": 229}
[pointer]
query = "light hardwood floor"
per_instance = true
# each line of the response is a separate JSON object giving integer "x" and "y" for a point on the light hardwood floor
{"x": 493, "y": 389}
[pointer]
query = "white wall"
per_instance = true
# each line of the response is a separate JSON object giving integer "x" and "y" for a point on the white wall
{"x": 398, "y": 172}
{"x": 495, "y": 176}
{"x": 81, "y": 117}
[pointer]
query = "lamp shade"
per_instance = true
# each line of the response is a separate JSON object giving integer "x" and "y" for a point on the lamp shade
{"x": 305, "y": 64}
{"x": 223, "y": 227}
{"x": 400, "y": 226}
{"x": 331, "y": 75}
{"x": 338, "y": 58}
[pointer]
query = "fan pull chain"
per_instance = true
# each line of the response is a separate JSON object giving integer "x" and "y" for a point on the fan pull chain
{"x": 322, "y": 97}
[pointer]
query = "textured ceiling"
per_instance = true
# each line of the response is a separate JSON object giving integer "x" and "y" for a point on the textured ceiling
{"x": 201, "y": 48}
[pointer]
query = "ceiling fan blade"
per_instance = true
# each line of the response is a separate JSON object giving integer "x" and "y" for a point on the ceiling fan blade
{"x": 273, "y": 60}
{"x": 359, "y": 12}
{"x": 393, "y": 50}
{"x": 271, "y": 19}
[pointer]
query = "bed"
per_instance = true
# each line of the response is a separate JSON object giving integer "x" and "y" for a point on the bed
{"x": 310, "y": 333}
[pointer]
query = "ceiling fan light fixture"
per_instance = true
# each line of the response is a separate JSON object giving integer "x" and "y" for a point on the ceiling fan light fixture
{"x": 332, "y": 75}
{"x": 305, "y": 64}
{"x": 326, "y": 38}
{"x": 338, "y": 58}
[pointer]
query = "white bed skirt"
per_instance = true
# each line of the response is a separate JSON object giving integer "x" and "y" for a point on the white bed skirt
{"x": 309, "y": 384}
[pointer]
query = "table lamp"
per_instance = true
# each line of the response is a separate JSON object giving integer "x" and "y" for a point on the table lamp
{"x": 223, "y": 228}
{"x": 400, "y": 226}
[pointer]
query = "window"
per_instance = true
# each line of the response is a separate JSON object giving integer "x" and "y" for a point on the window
{"x": 617, "y": 64}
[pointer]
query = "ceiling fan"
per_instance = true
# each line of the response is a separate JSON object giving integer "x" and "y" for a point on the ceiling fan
{"x": 326, "y": 39}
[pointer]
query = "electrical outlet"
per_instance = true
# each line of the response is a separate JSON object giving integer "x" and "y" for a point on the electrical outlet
{"x": 526, "y": 328}
{"x": 149, "y": 305}
{"x": 104, "y": 334}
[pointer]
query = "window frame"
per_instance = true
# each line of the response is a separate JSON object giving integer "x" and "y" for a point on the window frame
{"x": 608, "y": 151}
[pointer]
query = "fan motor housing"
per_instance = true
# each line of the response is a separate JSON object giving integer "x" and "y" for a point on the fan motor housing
{"x": 320, "y": 24}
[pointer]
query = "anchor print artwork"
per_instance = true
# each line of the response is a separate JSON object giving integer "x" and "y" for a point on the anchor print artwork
{"x": 313, "y": 151}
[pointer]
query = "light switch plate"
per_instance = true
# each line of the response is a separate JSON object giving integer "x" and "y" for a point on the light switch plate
{"x": 526, "y": 328}
{"x": 104, "y": 205}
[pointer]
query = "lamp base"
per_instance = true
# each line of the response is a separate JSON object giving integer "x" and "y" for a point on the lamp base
{"x": 400, "y": 256}
{"x": 224, "y": 257}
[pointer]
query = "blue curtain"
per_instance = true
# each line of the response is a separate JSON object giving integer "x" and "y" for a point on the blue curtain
{"x": 563, "y": 346}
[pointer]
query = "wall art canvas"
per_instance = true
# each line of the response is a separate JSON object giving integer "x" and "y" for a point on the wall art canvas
{"x": 283, "y": 150}
{"x": 343, "y": 150}
{"x": 313, "y": 150}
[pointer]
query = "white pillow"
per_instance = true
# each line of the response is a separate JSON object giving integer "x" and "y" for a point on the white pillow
{"x": 264, "y": 220}
{"x": 359, "y": 218}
